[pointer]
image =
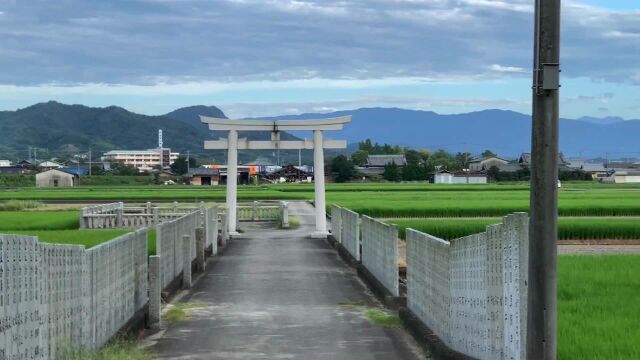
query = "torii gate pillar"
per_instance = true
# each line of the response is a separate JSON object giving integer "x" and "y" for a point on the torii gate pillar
{"x": 232, "y": 144}
{"x": 232, "y": 182}
{"x": 318, "y": 178}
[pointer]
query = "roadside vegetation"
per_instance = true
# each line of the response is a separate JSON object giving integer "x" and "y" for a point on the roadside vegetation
{"x": 19, "y": 205}
{"x": 115, "y": 350}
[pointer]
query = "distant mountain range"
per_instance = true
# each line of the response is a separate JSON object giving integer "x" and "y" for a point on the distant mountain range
{"x": 506, "y": 132}
{"x": 59, "y": 127}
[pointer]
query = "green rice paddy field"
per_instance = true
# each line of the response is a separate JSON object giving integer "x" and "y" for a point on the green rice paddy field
{"x": 597, "y": 308}
{"x": 598, "y": 314}
{"x": 569, "y": 228}
{"x": 61, "y": 227}
{"x": 378, "y": 200}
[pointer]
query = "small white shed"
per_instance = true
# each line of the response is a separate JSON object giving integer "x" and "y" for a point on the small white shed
{"x": 626, "y": 177}
{"x": 56, "y": 178}
{"x": 446, "y": 177}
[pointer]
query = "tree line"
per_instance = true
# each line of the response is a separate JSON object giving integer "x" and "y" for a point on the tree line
{"x": 421, "y": 163}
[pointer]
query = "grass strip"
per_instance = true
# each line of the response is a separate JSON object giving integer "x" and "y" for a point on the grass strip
{"x": 382, "y": 318}
{"x": 115, "y": 350}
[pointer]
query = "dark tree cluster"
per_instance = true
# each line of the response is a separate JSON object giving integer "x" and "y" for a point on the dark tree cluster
{"x": 494, "y": 174}
{"x": 342, "y": 169}
{"x": 180, "y": 167}
{"x": 524, "y": 174}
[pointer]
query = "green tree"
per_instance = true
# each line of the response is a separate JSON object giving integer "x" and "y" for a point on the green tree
{"x": 493, "y": 173}
{"x": 342, "y": 169}
{"x": 413, "y": 157}
{"x": 360, "y": 158}
{"x": 462, "y": 160}
{"x": 179, "y": 167}
{"x": 442, "y": 159}
{"x": 120, "y": 168}
{"x": 488, "y": 153}
{"x": 97, "y": 170}
{"x": 392, "y": 172}
{"x": 366, "y": 146}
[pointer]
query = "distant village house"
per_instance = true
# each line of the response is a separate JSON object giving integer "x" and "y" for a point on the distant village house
{"x": 461, "y": 177}
{"x": 376, "y": 163}
{"x": 56, "y": 178}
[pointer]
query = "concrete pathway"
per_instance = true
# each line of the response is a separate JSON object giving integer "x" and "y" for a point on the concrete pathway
{"x": 276, "y": 294}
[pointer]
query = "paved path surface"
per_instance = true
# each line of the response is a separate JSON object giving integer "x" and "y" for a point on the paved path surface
{"x": 275, "y": 294}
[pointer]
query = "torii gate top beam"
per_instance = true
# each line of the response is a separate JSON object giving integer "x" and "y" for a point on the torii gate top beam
{"x": 275, "y": 125}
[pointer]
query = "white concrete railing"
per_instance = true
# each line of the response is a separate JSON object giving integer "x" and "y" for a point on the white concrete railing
{"x": 169, "y": 238}
{"x": 224, "y": 226}
{"x": 117, "y": 215}
{"x": 258, "y": 211}
{"x": 471, "y": 292}
{"x": 336, "y": 222}
{"x": 211, "y": 228}
{"x": 56, "y": 296}
{"x": 380, "y": 252}
{"x": 101, "y": 216}
{"x": 345, "y": 227}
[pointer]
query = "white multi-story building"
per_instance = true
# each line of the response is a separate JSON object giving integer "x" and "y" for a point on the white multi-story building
{"x": 142, "y": 159}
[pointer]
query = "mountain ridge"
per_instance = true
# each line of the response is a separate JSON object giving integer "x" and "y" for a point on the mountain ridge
{"x": 503, "y": 131}
{"x": 57, "y": 126}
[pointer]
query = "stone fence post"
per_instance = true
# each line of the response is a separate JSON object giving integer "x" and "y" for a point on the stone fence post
{"x": 119, "y": 215}
{"x": 254, "y": 213}
{"x": 156, "y": 216}
{"x": 148, "y": 209}
{"x": 154, "y": 292}
{"x": 200, "y": 245}
{"x": 83, "y": 219}
{"x": 284, "y": 213}
{"x": 186, "y": 269}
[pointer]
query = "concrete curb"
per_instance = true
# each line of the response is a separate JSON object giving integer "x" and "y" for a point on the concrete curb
{"x": 390, "y": 301}
{"x": 423, "y": 335}
{"x": 138, "y": 322}
{"x": 343, "y": 252}
{"x": 426, "y": 338}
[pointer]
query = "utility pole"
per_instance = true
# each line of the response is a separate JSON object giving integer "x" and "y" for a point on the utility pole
{"x": 89, "y": 161}
{"x": 188, "y": 155}
{"x": 541, "y": 342}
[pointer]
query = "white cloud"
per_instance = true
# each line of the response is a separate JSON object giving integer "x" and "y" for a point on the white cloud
{"x": 507, "y": 69}
{"x": 621, "y": 35}
{"x": 146, "y": 42}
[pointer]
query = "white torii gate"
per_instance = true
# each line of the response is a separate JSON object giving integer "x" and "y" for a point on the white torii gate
{"x": 232, "y": 144}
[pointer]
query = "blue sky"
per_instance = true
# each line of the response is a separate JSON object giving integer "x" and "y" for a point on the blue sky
{"x": 270, "y": 57}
